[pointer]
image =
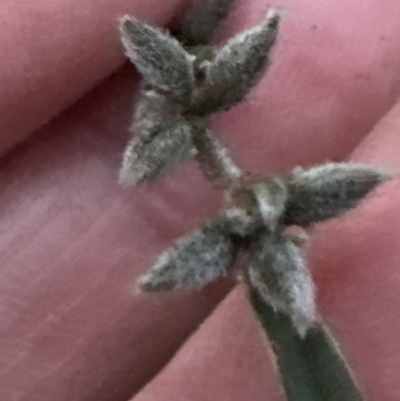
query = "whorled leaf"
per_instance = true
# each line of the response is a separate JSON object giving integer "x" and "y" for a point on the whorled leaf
{"x": 271, "y": 196}
{"x": 151, "y": 110}
{"x": 326, "y": 191}
{"x": 196, "y": 259}
{"x": 167, "y": 146}
{"x": 161, "y": 59}
{"x": 282, "y": 278}
{"x": 241, "y": 222}
{"x": 237, "y": 67}
{"x": 199, "y": 25}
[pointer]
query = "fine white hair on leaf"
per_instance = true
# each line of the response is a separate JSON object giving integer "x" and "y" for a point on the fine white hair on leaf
{"x": 282, "y": 278}
{"x": 196, "y": 259}
{"x": 271, "y": 196}
{"x": 326, "y": 191}
{"x": 188, "y": 84}
{"x": 240, "y": 221}
{"x": 145, "y": 158}
{"x": 199, "y": 25}
{"x": 161, "y": 59}
{"x": 151, "y": 109}
{"x": 237, "y": 67}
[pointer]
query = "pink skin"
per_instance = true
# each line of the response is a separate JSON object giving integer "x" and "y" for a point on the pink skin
{"x": 73, "y": 241}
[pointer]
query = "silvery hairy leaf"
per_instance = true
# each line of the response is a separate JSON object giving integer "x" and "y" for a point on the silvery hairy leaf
{"x": 151, "y": 110}
{"x": 326, "y": 191}
{"x": 271, "y": 196}
{"x": 200, "y": 23}
{"x": 169, "y": 144}
{"x": 195, "y": 260}
{"x": 241, "y": 222}
{"x": 237, "y": 68}
{"x": 282, "y": 278}
{"x": 161, "y": 59}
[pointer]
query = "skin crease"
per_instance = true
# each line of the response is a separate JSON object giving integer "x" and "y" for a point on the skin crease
{"x": 58, "y": 51}
{"x": 72, "y": 241}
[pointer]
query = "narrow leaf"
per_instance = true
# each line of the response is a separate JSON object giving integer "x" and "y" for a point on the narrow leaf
{"x": 271, "y": 195}
{"x": 161, "y": 59}
{"x": 196, "y": 259}
{"x": 201, "y": 22}
{"x": 237, "y": 68}
{"x": 166, "y": 147}
{"x": 282, "y": 278}
{"x": 151, "y": 110}
{"x": 326, "y": 191}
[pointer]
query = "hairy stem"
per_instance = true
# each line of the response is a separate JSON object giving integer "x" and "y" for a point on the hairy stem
{"x": 214, "y": 159}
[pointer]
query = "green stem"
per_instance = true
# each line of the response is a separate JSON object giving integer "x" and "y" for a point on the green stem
{"x": 311, "y": 368}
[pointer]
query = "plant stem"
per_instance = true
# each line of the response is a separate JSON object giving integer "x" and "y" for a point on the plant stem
{"x": 312, "y": 368}
{"x": 214, "y": 159}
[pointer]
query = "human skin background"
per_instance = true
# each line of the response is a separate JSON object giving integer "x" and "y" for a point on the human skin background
{"x": 72, "y": 241}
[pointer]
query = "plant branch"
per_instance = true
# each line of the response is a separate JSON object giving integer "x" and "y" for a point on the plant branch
{"x": 214, "y": 159}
